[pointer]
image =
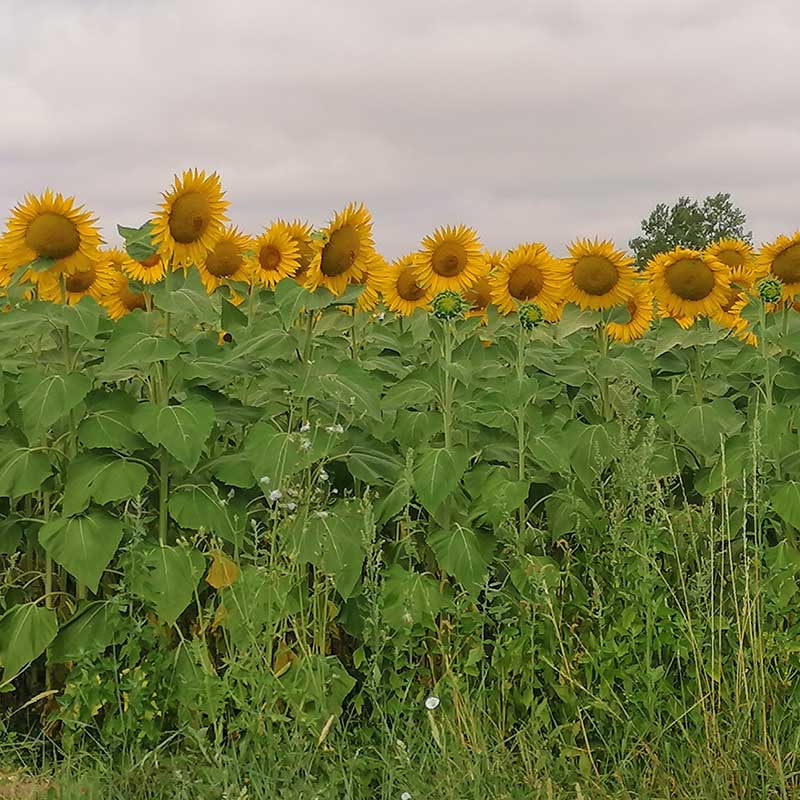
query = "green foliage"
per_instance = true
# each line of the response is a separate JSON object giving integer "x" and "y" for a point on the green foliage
{"x": 689, "y": 224}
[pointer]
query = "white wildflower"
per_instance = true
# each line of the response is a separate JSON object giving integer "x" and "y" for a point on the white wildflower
{"x": 275, "y": 495}
{"x": 264, "y": 479}
{"x": 337, "y": 428}
{"x": 305, "y": 444}
{"x": 323, "y": 476}
{"x": 432, "y": 702}
{"x": 291, "y": 506}
{"x": 305, "y": 427}
{"x": 405, "y": 796}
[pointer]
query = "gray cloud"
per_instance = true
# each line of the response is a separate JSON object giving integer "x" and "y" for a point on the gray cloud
{"x": 544, "y": 119}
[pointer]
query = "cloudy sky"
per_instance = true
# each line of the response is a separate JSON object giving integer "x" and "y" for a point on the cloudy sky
{"x": 528, "y": 119}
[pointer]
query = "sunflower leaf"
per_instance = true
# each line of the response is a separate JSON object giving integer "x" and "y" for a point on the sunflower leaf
{"x": 93, "y": 628}
{"x": 138, "y": 241}
{"x": 200, "y": 506}
{"x": 185, "y": 296}
{"x": 437, "y": 474}
{"x": 464, "y": 555}
{"x": 83, "y": 545}
{"x": 83, "y": 318}
{"x": 102, "y": 477}
{"x": 25, "y": 632}
{"x": 42, "y": 264}
{"x": 137, "y": 350}
{"x": 22, "y": 471}
{"x": 108, "y": 422}
{"x": 44, "y": 399}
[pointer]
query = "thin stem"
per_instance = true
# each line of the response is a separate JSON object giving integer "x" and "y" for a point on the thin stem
{"x": 762, "y": 340}
{"x": 448, "y": 384}
{"x": 605, "y": 398}
{"x": 48, "y": 586}
{"x": 521, "y": 423}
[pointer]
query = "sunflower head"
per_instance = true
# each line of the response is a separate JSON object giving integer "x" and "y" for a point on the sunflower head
{"x": 276, "y": 255}
{"x": 401, "y": 292}
{"x": 121, "y": 299}
{"x": 737, "y": 255}
{"x": 479, "y": 296}
{"x": 342, "y": 250}
{"x": 226, "y": 261}
{"x": 597, "y": 276}
{"x": 530, "y": 315}
{"x": 640, "y": 310}
{"x": 689, "y": 283}
{"x": 781, "y": 259}
{"x": 528, "y": 273}
{"x": 450, "y": 258}
{"x": 191, "y": 218}
{"x": 372, "y": 281}
{"x": 51, "y": 228}
{"x": 448, "y": 305}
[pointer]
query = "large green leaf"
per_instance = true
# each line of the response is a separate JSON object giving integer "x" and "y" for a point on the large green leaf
{"x": 83, "y": 318}
{"x": 786, "y": 502}
{"x": 411, "y": 598}
{"x": 463, "y": 554}
{"x": 93, "y": 628}
{"x": 437, "y": 474}
{"x": 275, "y": 455}
{"x": 44, "y": 399}
{"x": 22, "y": 471}
{"x": 137, "y": 350}
{"x": 103, "y": 478}
{"x": 185, "y": 296}
{"x": 108, "y": 422}
{"x": 25, "y": 633}
{"x": 166, "y": 578}
{"x": 181, "y": 429}
{"x": 591, "y": 453}
{"x": 703, "y": 427}
{"x": 408, "y": 393}
{"x": 138, "y": 241}
{"x": 84, "y": 545}
{"x": 355, "y": 389}
{"x": 200, "y": 506}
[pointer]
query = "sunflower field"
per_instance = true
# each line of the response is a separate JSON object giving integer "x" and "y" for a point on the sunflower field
{"x": 253, "y": 484}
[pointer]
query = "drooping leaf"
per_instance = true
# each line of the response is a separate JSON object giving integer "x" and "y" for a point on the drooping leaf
{"x": 437, "y": 474}
{"x": 25, "y": 632}
{"x": 22, "y": 471}
{"x": 704, "y": 427}
{"x": 591, "y": 453}
{"x": 185, "y": 296}
{"x": 84, "y": 545}
{"x": 355, "y": 389}
{"x": 44, "y": 399}
{"x": 83, "y": 318}
{"x": 275, "y": 455}
{"x": 102, "y": 477}
{"x": 200, "y": 506}
{"x": 222, "y": 572}
{"x": 786, "y": 502}
{"x": 181, "y": 429}
{"x": 463, "y": 554}
{"x": 108, "y": 422}
{"x": 138, "y": 241}
{"x": 411, "y": 598}
{"x": 166, "y": 578}
{"x": 93, "y": 628}
{"x": 137, "y": 350}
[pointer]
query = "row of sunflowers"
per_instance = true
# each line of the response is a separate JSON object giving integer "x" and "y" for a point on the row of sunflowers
{"x": 53, "y": 249}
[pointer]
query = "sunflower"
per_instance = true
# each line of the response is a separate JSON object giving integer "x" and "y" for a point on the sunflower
{"x": 52, "y": 227}
{"x": 301, "y": 235}
{"x": 90, "y": 276}
{"x": 276, "y": 255}
{"x": 493, "y": 259}
{"x": 450, "y": 259}
{"x": 372, "y": 281}
{"x": 479, "y": 295}
{"x": 343, "y": 251}
{"x": 640, "y": 308}
{"x": 689, "y": 283}
{"x": 401, "y": 291}
{"x": 597, "y": 276}
{"x": 684, "y": 322}
{"x": 226, "y": 261}
{"x": 151, "y": 270}
{"x": 781, "y": 259}
{"x": 730, "y": 316}
{"x": 528, "y": 274}
{"x": 738, "y": 256}
{"x": 191, "y": 219}
{"x": 120, "y": 299}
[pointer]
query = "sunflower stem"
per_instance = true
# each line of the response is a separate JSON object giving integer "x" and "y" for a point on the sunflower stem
{"x": 605, "y": 398}
{"x": 251, "y": 304}
{"x": 448, "y": 384}
{"x": 762, "y": 340}
{"x": 308, "y": 349}
{"x": 48, "y": 588}
{"x": 521, "y": 423}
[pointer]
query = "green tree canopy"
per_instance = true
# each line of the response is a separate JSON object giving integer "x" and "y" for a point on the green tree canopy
{"x": 689, "y": 224}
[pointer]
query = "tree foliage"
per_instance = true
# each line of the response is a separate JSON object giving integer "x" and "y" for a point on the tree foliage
{"x": 689, "y": 224}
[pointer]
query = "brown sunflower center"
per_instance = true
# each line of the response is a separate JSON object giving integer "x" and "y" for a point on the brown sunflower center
{"x": 786, "y": 265}
{"x": 525, "y": 282}
{"x": 80, "y": 281}
{"x": 189, "y": 217}
{"x": 449, "y": 259}
{"x": 132, "y": 300}
{"x": 479, "y": 295}
{"x": 407, "y": 286}
{"x": 269, "y": 257}
{"x": 151, "y": 261}
{"x": 224, "y": 260}
{"x": 52, "y": 236}
{"x": 341, "y": 251}
{"x": 690, "y": 279}
{"x": 595, "y": 275}
{"x": 731, "y": 258}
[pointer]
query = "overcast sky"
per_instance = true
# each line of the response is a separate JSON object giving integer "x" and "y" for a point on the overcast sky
{"x": 527, "y": 119}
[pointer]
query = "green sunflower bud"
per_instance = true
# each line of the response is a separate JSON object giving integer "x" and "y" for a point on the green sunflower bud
{"x": 769, "y": 290}
{"x": 448, "y": 305}
{"x": 530, "y": 315}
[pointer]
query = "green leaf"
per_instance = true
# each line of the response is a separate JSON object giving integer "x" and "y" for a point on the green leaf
{"x": 108, "y": 422}
{"x": 374, "y": 467}
{"x": 10, "y": 535}
{"x": 232, "y": 317}
{"x": 291, "y": 297}
{"x": 274, "y": 454}
{"x": 591, "y": 453}
{"x": 88, "y": 633}
{"x": 703, "y": 427}
{"x": 83, "y": 545}
{"x": 138, "y": 350}
{"x": 25, "y": 633}
{"x": 233, "y": 469}
{"x": 463, "y": 554}
{"x": 410, "y": 598}
{"x": 42, "y": 264}
{"x": 22, "y": 471}
{"x": 786, "y": 502}
{"x": 354, "y": 388}
{"x": 407, "y": 393}
{"x": 166, "y": 579}
{"x": 138, "y": 241}
{"x": 83, "y": 318}
{"x": 437, "y": 474}
{"x": 185, "y": 296}
{"x": 200, "y": 506}
{"x": 44, "y": 399}
{"x": 102, "y": 477}
{"x": 181, "y": 429}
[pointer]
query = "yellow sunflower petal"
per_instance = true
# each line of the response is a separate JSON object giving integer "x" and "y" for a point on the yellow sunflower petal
{"x": 781, "y": 259}
{"x": 226, "y": 261}
{"x": 528, "y": 274}
{"x": 276, "y": 255}
{"x": 640, "y": 308}
{"x": 738, "y": 256}
{"x": 91, "y": 277}
{"x": 451, "y": 258}
{"x": 596, "y": 276}
{"x": 120, "y": 299}
{"x": 401, "y": 291}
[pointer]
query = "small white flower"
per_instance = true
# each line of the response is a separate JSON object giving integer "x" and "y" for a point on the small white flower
{"x": 405, "y": 796}
{"x": 337, "y": 428}
{"x": 291, "y": 506}
{"x": 432, "y": 702}
{"x": 334, "y": 491}
{"x": 323, "y": 476}
{"x": 305, "y": 427}
{"x": 275, "y": 495}
{"x": 382, "y": 317}
{"x": 322, "y": 514}
{"x": 305, "y": 444}
{"x": 264, "y": 479}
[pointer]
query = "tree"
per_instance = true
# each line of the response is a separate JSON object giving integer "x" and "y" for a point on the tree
{"x": 689, "y": 224}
